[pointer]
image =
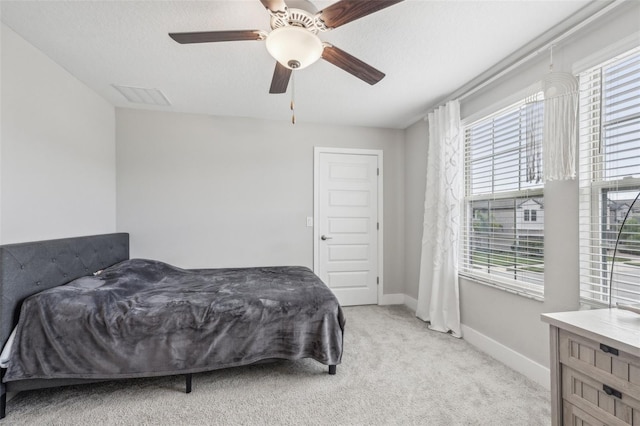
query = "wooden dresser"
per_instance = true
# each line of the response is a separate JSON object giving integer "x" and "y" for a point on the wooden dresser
{"x": 595, "y": 367}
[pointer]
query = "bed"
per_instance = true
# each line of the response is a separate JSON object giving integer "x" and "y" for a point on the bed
{"x": 134, "y": 318}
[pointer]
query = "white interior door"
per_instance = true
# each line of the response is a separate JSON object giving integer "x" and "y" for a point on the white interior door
{"x": 347, "y": 225}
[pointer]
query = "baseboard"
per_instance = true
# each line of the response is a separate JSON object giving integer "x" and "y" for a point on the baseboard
{"x": 411, "y": 302}
{"x": 399, "y": 299}
{"x": 527, "y": 367}
{"x": 392, "y": 299}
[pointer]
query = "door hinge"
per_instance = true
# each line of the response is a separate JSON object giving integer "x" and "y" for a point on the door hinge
{"x": 378, "y": 171}
{"x": 378, "y": 280}
{"x": 378, "y": 226}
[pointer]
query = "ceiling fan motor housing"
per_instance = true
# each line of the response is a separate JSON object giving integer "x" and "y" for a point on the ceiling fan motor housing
{"x": 297, "y": 18}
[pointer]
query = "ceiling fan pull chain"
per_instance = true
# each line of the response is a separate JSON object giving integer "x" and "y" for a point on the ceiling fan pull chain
{"x": 293, "y": 95}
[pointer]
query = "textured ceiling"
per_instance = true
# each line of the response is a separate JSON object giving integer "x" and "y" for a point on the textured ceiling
{"x": 427, "y": 49}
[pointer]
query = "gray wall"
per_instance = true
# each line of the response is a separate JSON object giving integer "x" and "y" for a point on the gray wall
{"x": 57, "y": 149}
{"x": 512, "y": 320}
{"x": 202, "y": 191}
{"x": 415, "y": 184}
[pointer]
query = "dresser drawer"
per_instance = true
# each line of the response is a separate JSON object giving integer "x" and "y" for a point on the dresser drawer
{"x": 573, "y": 416}
{"x": 605, "y": 364}
{"x": 595, "y": 399}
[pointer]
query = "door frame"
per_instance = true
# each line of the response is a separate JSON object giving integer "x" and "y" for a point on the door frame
{"x": 316, "y": 196}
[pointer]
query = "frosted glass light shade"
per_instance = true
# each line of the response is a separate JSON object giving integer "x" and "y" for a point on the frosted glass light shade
{"x": 290, "y": 43}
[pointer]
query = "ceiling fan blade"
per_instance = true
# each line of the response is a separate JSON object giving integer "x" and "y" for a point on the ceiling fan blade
{"x": 352, "y": 65}
{"x": 275, "y": 6}
{"x": 345, "y": 11}
{"x": 213, "y": 36}
{"x": 280, "y": 80}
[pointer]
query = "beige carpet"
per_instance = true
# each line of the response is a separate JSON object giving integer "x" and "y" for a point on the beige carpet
{"x": 394, "y": 371}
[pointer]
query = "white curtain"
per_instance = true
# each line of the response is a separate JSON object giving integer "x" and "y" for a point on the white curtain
{"x": 438, "y": 295}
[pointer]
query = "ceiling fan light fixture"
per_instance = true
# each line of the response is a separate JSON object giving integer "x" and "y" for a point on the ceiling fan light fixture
{"x": 294, "y": 45}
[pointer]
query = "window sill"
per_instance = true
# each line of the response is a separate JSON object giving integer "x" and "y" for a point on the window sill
{"x": 529, "y": 293}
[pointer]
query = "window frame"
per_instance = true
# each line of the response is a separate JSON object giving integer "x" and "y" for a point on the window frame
{"x": 595, "y": 183}
{"x": 523, "y": 288}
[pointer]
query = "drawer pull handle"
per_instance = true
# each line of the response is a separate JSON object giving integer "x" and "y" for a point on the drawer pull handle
{"x": 608, "y": 349}
{"x": 611, "y": 391}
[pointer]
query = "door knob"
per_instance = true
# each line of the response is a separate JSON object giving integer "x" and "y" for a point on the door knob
{"x": 324, "y": 237}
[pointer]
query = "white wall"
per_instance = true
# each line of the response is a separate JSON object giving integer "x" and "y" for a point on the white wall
{"x": 202, "y": 191}
{"x": 57, "y": 149}
{"x": 508, "y": 319}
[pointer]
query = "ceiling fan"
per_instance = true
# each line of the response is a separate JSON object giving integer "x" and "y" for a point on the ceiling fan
{"x": 293, "y": 41}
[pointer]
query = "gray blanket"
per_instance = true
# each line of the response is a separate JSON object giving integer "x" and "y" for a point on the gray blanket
{"x": 145, "y": 318}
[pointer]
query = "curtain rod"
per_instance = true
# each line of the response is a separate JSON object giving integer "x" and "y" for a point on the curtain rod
{"x": 559, "y": 32}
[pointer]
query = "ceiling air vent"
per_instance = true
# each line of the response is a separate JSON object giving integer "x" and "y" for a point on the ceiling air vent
{"x": 140, "y": 95}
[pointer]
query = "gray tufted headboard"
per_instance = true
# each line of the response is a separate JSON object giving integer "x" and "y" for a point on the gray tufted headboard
{"x": 28, "y": 268}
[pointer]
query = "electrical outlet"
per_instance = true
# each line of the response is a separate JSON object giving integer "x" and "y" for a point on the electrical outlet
{"x": 309, "y": 221}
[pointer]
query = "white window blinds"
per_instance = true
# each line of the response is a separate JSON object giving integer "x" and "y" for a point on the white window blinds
{"x": 503, "y": 228}
{"x": 609, "y": 181}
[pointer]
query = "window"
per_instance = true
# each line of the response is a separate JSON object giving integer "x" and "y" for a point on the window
{"x": 503, "y": 228}
{"x": 610, "y": 181}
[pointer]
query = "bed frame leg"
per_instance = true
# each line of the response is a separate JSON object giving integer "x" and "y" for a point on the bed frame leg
{"x": 3, "y": 397}
{"x": 3, "y": 402}
{"x": 188, "y": 378}
{"x": 332, "y": 369}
